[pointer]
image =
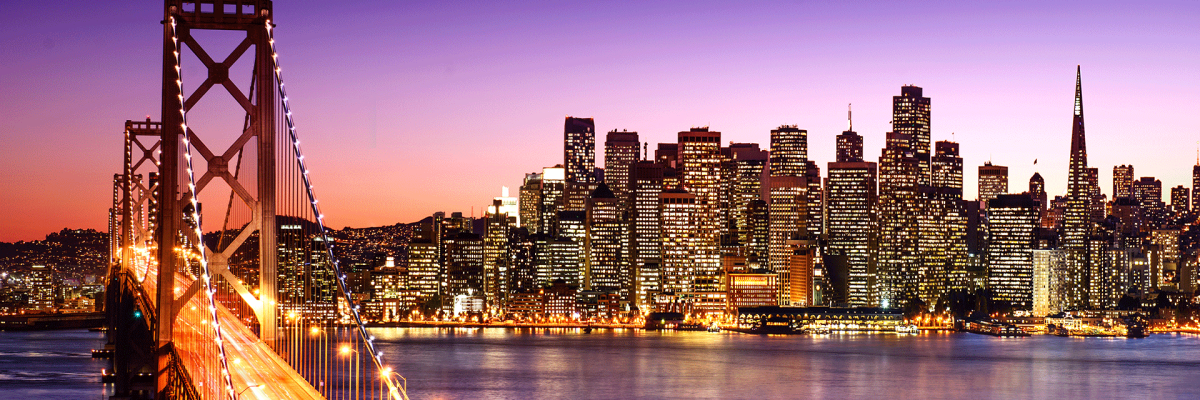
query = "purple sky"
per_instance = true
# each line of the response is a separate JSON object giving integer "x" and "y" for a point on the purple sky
{"x": 406, "y": 108}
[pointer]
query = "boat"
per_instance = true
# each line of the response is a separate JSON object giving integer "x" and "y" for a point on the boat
{"x": 714, "y": 328}
{"x": 907, "y": 329}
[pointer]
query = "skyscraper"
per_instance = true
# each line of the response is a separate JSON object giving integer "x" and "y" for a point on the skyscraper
{"x": 1148, "y": 192}
{"x": 607, "y": 267}
{"x": 699, "y": 162}
{"x": 789, "y": 151}
{"x": 1076, "y": 225}
{"x": 748, "y": 164}
{"x": 679, "y": 238}
{"x": 529, "y": 202}
{"x": 850, "y": 215}
{"x": 849, "y": 143}
{"x": 1012, "y": 220}
{"x": 1196, "y": 186}
{"x": 993, "y": 181}
{"x": 621, "y": 150}
{"x": 910, "y": 116}
{"x": 553, "y": 188}
{"x": 1122, "y": 181}
{"x": 788, "y": 222}
{"x": 579, "y": 149}
{"x": 1180, "y": 198}
{"x": 942, "y": 225}
{"x": 1037, "y": 191}
{"x": 646, "y": 231}
{"x": 898, "y": 229}
{"x": 813, "y": 201}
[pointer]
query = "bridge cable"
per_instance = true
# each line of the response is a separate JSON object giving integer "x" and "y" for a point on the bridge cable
{"x": 396, "y": 391}
{"x": 205, "y": 276}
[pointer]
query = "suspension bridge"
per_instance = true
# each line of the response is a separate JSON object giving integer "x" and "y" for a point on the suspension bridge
{"x": 223, "y": 281}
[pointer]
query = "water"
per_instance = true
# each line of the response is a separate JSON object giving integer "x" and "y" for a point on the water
{"x": 566, "y": 364}
{"x": 51, "y": 365}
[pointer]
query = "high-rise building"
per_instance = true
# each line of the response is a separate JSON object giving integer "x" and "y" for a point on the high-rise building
{"x": 814, "y": 201}
{"x": 910, "y": 116}
{"x": 850, "y": 192}
{"x": 849, "y": 144}
{"x": 1196, "y": 186}
{"x": 606, "y": 244}
{"x": 801, "y": 265}
{"x": 579, "y": 150}
{"x": 679, "y": 211}
{"x": 759, "y": 227}
{"x": 748, "y": 164}
{"x": 993, "y": 181}
{"x": 942, "y": 226}
{"x": 1049, "y": 270}
{"x": 788, "y": 220}
{"x": 1122, "y": 181}
{"x": 464, "y": 264}
{"x": 553, "y": 190}
{"x": 789, "y": 151}
{"x": 1148, "y": 192}
{"x": 898, "y": 230}
{"x": 700, "y": 174}
{"x": 621, "y": 150}
{"x": 1012, "y": 220}
{"x": 1076, "y": 222}
{"x": 1180, "y": 198}
{"x": 496, "y": 255}
{"x": 646, "y": 231}
{"x": 1037, "y": 191}
{"x": 529, "y": 202}
{"x": 424, "y": 269}
{"x": 41, "y": 288}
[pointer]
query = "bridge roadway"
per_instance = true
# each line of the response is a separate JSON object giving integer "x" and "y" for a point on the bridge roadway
{"x": 254, "y": 367}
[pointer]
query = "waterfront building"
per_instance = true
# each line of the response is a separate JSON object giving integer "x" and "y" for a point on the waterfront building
{"x": 993, "y": 181}
{"x": 801, "y": 266}
{"x": 579, "y": 150}
{"x": 850, "y": 215}
{"x": 41, "y": 288}
{"x": 1049, "y": 270}
{"x": 750, "y": 289}
{"x": 910, "y": 117}
{"x": 646, "y": 230}
{"x": 1012, "y": 220}
{"x": 424, "y": 268}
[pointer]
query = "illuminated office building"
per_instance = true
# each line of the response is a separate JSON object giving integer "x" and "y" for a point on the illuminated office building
{"x": 1148, "y": 192}
{"x": 607, "y": 262}
{"x": 1077, "y": 216}
{"x": 424, "y": 269}
{"x": 759, "y": 228}
{"x": 849, "y": 143}
{"x": 699, "y": 162}
{"x": 941, "y": 225}
{"x": 898, "y": 230}
{"x": 572, "y": 225}
{"x": 1122, "y": 181}
{"x": 748, "y": 163}
{"x": 579, "y": 150}
{"x": 621, "y": 150}
{"x": 646, "y": 230}
{"x": 787, "y": 222}
{"x": 464, "y": 265}
{"x": 993, "y": 181}
{"x": 1049, "y": 273}
{"x": 553, "y": 189}
{"x": 1195, "y": 186}
{"x": 910, "y": 117}
{"x": 1037, "y": 191}
{"x": 1180, "y": 199}
{"x": 496, "y": 256}
{"x": 41, "y": 288}
{"x": 679, "y": 211}
{"x": 814, "y": 201}
{"x": 529, "y": 202}
{"x": 1012, "y": 220}
{"x": 850, "y": 216}
{"x": 789, "y": 151}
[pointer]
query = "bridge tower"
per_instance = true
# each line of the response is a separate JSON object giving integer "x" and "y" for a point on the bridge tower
{"x": 259, "y": 104}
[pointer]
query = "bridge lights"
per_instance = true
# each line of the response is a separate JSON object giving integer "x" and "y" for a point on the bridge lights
{"x": 137, "y": 314}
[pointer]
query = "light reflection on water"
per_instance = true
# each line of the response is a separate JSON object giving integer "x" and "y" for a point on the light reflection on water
{"x": 51, "y": 365}
{"x": 477, "y": 363}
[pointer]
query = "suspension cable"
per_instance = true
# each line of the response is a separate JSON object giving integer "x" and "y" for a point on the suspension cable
{"x": 206, "y": 277}
{"x": 396, "y": 391}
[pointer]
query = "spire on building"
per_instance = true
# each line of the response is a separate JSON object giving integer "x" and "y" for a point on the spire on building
{"x": 849, "y": 118}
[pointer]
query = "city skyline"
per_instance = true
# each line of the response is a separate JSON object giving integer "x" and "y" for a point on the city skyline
{"x": 398, "y": 130}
